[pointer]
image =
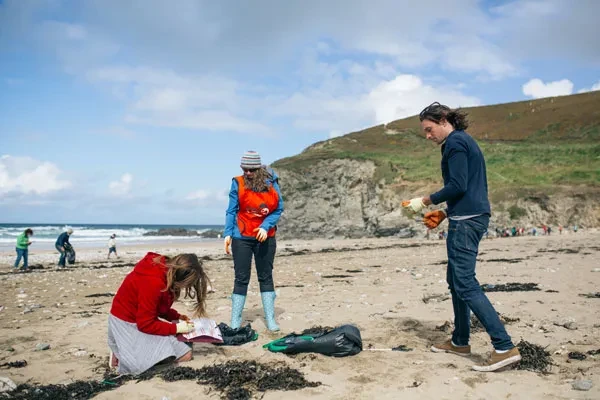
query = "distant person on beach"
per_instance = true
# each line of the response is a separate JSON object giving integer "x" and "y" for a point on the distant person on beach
{"x": 142, "y": 326}
{"x": 465, "y": 192}
{"x": 112, "y": 246}
{"x": 60, "y": 246}
{"x": 23, "y": 243}
{"x": 255, "y": 205}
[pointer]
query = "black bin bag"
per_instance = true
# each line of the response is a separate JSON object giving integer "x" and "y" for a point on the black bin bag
{"x": 342, "y": 341}
{"x": 69, "y": 253}
{"x": 236, "y": 336}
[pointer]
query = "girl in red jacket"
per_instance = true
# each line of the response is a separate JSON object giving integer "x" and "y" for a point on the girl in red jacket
{"x": 142, "y": 325}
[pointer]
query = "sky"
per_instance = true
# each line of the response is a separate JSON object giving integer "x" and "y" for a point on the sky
{"x": 138, "y": 111}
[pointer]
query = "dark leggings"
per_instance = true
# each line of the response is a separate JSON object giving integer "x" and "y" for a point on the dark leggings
{"x": 264, "y": 254}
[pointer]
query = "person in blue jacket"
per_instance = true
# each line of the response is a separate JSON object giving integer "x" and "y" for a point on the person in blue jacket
{"x": 255, "y": 205}
{"x": 60, "y": 246}
{"x": 465, "y": 193}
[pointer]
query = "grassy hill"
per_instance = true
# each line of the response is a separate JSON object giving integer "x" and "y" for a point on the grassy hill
{"x": 540, "y": 144}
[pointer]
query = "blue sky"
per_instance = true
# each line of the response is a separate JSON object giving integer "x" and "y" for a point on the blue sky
{"x": 138, "y": 111}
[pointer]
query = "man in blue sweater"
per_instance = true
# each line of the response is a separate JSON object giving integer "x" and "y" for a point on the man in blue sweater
{"x": 465, "y": 192}
{"x": 60, "y": 246}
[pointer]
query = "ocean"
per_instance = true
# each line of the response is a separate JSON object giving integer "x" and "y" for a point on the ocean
{"x": 94, "y": 235}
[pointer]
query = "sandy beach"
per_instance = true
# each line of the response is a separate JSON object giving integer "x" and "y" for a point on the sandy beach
{"x": 377, "y": 284}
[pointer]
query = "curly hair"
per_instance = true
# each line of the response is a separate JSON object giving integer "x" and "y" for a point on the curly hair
{"x": 257, "y": 182}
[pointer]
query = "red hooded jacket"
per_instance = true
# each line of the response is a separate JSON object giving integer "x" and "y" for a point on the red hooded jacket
{"x": 141, "y": 298}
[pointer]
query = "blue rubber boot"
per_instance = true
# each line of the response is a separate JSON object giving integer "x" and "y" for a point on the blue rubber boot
{"x": 268, "y": 301}
{"x": 237, "y": 306}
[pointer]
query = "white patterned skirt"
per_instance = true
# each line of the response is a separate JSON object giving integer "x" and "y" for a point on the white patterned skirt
{"x": 138, "y": 351}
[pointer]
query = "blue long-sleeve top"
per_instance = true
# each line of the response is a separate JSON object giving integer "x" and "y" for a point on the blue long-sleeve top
{"x": 62, "y": 239}
{"x": 231, "y": 226}
{"x": 465, "y": 188}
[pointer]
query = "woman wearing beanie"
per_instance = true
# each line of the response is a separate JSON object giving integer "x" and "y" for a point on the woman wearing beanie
{"x": 255, "y": 205}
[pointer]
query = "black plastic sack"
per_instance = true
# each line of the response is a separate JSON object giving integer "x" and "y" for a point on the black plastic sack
{"x": 236, "y": 337}
{"x": 342, "y": 341}
{"x": 69, "y": 253}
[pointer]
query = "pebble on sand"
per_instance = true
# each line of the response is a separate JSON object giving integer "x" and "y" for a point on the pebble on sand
{"x": 583, "y": 385}
{"x": 6, "y": 384}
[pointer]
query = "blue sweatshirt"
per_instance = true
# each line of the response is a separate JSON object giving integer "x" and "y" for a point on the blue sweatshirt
{"x": 465, "y": 188}
{"x": 231, "y": 226}
{"x": 62, "y": 239}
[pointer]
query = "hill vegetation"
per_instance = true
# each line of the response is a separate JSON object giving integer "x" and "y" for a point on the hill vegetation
{"x": 540, "y": 144}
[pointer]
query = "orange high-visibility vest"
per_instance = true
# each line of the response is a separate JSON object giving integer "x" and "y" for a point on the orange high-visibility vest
{"x": 254, "y": 208}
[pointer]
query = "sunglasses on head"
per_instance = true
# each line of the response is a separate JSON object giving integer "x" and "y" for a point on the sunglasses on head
{"x": 431, "y": 109}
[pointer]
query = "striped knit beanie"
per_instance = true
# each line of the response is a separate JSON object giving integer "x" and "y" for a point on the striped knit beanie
{"x": 251, "y": 160}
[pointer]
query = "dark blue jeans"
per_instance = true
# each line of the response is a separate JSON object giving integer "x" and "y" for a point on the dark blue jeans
{"x": 63, "y": 255}
{"x": 22, "y": 253}
{"x": 467, "y": 295}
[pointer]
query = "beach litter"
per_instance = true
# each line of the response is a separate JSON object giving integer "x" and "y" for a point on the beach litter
{"x": 591, "y": 295}
{"x": 14, "y": 364}
{"x": 101, "y": 295}
{"x": 510, "y": 287}
{"x": 575, "y": 355}
{"x": 341, "y": 341}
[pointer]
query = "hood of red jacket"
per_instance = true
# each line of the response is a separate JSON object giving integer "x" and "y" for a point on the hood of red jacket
{"x": 152, "y": 264}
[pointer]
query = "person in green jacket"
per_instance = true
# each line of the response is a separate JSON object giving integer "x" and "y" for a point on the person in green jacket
{"x": 23, "y": 243}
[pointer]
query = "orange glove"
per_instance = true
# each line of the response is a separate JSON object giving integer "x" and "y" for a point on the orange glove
{"x": 433, "y": 218}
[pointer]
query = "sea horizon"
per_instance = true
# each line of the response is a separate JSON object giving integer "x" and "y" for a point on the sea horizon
{"x": 96, "y": 235}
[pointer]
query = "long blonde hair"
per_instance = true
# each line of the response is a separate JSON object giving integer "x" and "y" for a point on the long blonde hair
{"x": 185, "y": 274}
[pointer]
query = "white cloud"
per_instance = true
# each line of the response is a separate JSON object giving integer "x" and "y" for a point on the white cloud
{"x": 198, "y": 195}
{"x": 341, "y": 105}
{"x": 25, "y": 175}
{"x": 122, "y": 187}
{"x": 549, "y": 30}
{"x": 216, "y": 199}
{"x": 164, "y": 98}
{"x": 478, "y": 57}
{"x": 407, "y": 95}
{"x": 595, "y": 86}
{"x": 536, "y": 88}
